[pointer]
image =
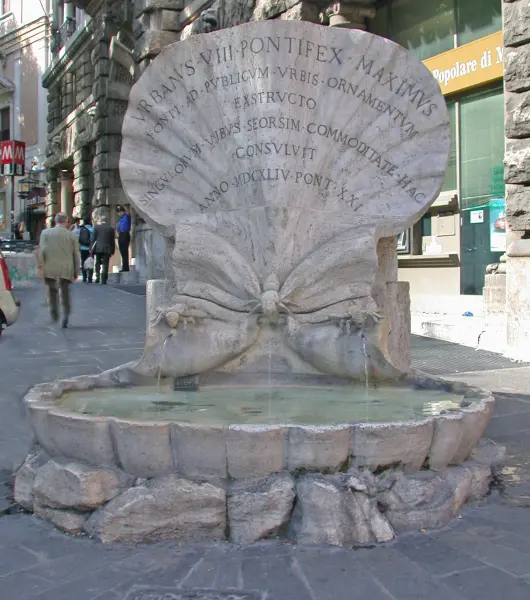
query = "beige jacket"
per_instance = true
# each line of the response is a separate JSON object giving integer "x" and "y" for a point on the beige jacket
{"x": 59, "y": 253}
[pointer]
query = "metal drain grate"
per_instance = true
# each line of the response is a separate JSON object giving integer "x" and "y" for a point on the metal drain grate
{"x": 141, "y": 592}
{"x": 438, "y": 357}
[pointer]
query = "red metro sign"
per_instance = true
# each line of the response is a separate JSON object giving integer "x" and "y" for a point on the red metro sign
{"x": 13, "y": 158}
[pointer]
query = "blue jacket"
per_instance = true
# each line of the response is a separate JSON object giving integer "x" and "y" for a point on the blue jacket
{"x": 124, "y": 224}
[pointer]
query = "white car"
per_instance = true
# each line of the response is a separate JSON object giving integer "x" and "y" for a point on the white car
{"x": 9, "y": 305}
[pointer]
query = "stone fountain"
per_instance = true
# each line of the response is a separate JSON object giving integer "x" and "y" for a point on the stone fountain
{"x": 273, "y": 397}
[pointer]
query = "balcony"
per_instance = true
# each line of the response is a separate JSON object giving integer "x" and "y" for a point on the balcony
{"x": 61, "y": 36}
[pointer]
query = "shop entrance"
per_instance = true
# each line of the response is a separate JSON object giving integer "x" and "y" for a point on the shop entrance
{"x": 478, "y": 235}
{"x": 482, "y": 212}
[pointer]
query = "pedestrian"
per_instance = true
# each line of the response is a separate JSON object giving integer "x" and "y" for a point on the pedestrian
{"x": 59, "y": 261}
{"x": 124, "y": 237}
{"x": 75, "y": 225}
{"x": 85, "y": 242}
{"x": 103, "y": 247}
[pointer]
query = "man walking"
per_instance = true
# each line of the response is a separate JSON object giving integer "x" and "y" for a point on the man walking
{"x": 103, "y": 247}
{"x": 85, "y": 241}
{"x": 59, "y": 260}
{"x": 124, "y": 237}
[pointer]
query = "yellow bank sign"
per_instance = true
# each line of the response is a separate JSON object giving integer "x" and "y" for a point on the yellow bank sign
{"x": 467, "y": 66}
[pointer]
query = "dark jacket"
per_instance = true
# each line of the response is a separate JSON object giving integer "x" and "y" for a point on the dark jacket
{"x": 103, "y": 239}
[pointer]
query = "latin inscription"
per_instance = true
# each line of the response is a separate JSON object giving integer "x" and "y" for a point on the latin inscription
{"x": 395, "y": 101}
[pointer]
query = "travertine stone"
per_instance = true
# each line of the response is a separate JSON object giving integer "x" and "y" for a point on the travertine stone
{"x": 70, "y": 521}
{"x": 81, "y": 437}
{"x": 378, "y": 445}
{"x": 475, "y": 421}
{"x": 397, "y": 309}
{"x": 25, "y": 477}
{"x": 479, "y": 477}
{"x": 164, "y": 508}
{"x": 520, "y": 222}
{"x": 428, "y": 500}
{"x": 255, "y": 450}
{"x": 143, "y": 448}
{"x": 517, "y": 161}
{"x": 516, "y": 22}
{"x": 258, "y": 509}
{"x": 517, "y": 122}
{"x": 518, "y": 300}
{"x": 200, "y": 450}
{"x": 168, "y": 20}
{"x": 141, "y": 6}
{"x": 517, "y": 68}
{"x": 62, "y": 483}
{"x": 305, "y": 270}
{"x": 303, "y": 11}
{"x": 518, "y": 207}
{"x": 329, "y": 512}
{"x": 517, "y": 199}
{"x": 38, "y": 417}
{"x": 490, "y": 454}
{"x": 317, "y": 448}
{"x": 82, "y": 169}
{"x": 268, "y": 9}
{"x": 448, "y": 432}
{"x": 151, "y": 43}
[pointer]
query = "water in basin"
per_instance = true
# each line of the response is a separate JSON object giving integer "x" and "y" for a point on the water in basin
{"x": 264, "y": 405}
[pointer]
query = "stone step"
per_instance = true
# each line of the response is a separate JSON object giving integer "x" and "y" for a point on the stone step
{"x": 128, "y": 277}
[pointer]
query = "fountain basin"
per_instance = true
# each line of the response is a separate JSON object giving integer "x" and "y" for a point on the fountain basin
{"x": 218, "y": 476}
{"x": 244, "y": 432}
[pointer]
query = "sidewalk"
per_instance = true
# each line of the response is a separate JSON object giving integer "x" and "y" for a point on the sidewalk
{"x": 484, "y": 555}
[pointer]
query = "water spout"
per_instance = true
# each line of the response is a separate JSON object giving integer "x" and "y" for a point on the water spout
{"x": 162, "y": 361}
{"x": 366, "y": 375}
{"x": 269, "y": 377}
{"x": 366, "y": 372}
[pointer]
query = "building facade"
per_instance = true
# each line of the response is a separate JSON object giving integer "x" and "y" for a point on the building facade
{"x": 99, "y": 47}
{"x": 24, "y": 56}
{"x": 476, "y": 49}
{"x": 445, "y": 256}
{"x": 468, "y": 253}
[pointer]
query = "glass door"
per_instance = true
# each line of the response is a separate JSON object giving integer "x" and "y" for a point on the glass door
{"x": 482, "y": 187}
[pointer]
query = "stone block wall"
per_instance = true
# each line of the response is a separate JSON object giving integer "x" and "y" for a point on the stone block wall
{"x": 516, "y": 17}
{"x": 517, "y": 104}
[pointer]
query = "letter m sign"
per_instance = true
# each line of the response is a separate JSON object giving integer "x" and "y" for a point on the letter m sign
{"x": 13, "y": 158}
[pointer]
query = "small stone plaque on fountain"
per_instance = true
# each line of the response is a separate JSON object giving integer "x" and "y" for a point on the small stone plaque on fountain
{"x": 273, "y": 156}
{"x": 190, "y": 383}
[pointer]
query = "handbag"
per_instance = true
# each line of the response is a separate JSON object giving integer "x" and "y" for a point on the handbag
{"x": 88, "y": 265}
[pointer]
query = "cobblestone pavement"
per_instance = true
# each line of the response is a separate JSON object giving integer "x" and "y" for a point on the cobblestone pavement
{"x": 483, "y": 555}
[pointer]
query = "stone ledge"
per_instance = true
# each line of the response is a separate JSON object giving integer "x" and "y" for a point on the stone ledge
{"x": 147, "y": 449}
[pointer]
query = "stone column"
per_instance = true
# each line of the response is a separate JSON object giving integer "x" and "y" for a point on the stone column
{"x": 347, "y": 15}
{"x": 67, "y": 193}
{"x": 53, "y": 197}
{"x": 516, "y": 19}
{"x": 83, "y": 182}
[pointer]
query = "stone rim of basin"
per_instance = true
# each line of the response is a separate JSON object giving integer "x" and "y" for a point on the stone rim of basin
{"x": 146, "y": 448}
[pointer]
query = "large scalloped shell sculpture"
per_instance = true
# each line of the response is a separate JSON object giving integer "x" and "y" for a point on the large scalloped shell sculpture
{"x": 339, "y": 128}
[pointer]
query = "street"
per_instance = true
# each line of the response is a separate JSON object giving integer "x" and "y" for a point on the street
{"x": 484, "y": 555}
